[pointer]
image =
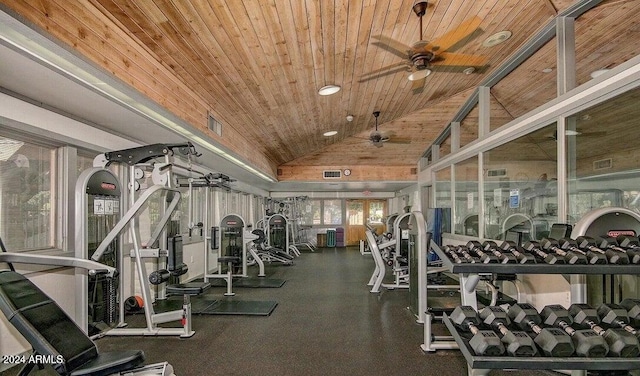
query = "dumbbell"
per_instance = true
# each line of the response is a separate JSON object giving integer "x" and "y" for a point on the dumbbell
{"x": 633, "y": 310}
{"x": 505, "y": 258}
{"x": 621, "y": 343}
{"x": 483, "y": 342}
{"x": 517, "y": 343}
{"x": 608, "y": 242}
{"x": 628, "y": 242}
{"x": 552, "y": 341}
{"x": 615, "y": 315}
{"x": 522, "y": 257}
{"x": 475, "y": 247}
{"x": 593, "y": 258}
{"x": 549, "y": 258}
{"x": 447, "y": 249}
{"x": 614, "y": 257}
{"x": 570, "y": 257}
{"x": 586, "y": 341}
{"x": 466, "y": 255}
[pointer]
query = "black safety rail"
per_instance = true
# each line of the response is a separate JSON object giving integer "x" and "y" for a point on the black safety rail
{"x": 537, "y": 362}
{"x": 539, "y": 268}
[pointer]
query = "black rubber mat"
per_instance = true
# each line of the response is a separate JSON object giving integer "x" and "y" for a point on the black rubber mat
{"x": 240, "y": 307}
{"x": 207, "y": 305}
{"x": 250, "y": 282}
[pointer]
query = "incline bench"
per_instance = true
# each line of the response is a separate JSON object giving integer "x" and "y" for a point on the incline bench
{"x": 57, "y": 340}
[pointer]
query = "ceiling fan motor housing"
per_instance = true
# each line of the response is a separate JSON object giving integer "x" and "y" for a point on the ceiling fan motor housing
{"x": 421, "y": 60}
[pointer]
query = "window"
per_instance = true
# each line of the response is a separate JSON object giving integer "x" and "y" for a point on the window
{"x": 27, "y": 196}
{"x": 376, "y": 212}
{"x": 332, "y": 212}
{"x": 466, "y": 220}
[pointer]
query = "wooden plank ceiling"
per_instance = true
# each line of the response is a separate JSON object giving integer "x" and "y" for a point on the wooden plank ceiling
{"x": 257, "y": 65}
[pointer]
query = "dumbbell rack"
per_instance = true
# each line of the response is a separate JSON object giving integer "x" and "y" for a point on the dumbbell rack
{"x": 482, "y": 365}
{"x": 470, "y": 275}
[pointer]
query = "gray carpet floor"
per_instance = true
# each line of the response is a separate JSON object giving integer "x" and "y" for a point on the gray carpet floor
{"x": 326, "y": 323}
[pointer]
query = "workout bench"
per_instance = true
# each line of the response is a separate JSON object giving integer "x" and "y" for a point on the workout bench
{"x": 57, "y": 339}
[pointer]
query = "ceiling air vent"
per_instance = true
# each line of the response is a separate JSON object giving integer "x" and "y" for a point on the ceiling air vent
{"x": 602, "y": 164}
{"x": 497, "y": 172}
{"x": 331, "y": 174}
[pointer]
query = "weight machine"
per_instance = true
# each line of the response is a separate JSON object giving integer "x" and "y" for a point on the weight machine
{"x": 230, "y": 241}
{"x": 279, "y": 235}
{"x": 162, "y": 177}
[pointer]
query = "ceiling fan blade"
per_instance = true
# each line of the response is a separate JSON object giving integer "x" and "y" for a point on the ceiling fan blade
{"x": 393, "y": 46}
{"x": 384, "y": 71}
{"x": 398, "y": 140}
{"x": 454, "y": 59}
{"x": 448, "y": 39}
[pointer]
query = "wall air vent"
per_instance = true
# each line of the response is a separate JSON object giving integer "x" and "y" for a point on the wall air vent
{"x": 331, "y": 174}
{"x": 497, "y": 172}
{"x": 602, "y": 164}
{"x": 214, "y": 125}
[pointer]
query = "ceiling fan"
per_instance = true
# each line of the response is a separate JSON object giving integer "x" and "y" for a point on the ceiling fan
{"x": 378, "y": 138}
{"x": 424, "y": 55}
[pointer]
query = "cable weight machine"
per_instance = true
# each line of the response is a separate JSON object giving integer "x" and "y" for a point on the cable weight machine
{"x": 155, "y": 247}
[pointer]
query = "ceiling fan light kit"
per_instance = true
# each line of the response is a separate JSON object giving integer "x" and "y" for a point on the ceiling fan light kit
{"x": 328, "y": 90}
{"x": 419, "y": 74}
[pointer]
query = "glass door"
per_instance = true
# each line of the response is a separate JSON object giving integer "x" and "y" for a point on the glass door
{"x": 361, "y": 212}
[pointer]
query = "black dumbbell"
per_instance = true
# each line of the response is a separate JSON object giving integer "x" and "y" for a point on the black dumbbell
{"x": 621, "y": 343}
{"x": 608, "y": 242}
{"x": 462, "y": 251}
{"x": 633, "y": 310}
{"x": 586, "y": 341}
{"x": 549, "y": 258}
{"x": 570, "y": 257}
{"x": 614, "y": 257}
{"x": 475, "y": 247}
{"x": 517, "y": 343}
{"x": 518, "y": 252}
{"x": 505, "y": 258}
{"x": 593, "y": 258}
{"x": 628, "y": 242}
{"x": 483, "y": 342}
{"x": 552, "y": 341}
{"x": 615, "y": 315}
{"x": 449, "y": 251}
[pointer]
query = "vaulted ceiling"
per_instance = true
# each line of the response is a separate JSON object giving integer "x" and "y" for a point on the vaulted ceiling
{"x": 256, "y": 66}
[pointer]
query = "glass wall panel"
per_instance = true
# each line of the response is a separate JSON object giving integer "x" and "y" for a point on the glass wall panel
{"x": 466, "y": 203}
{"x": 520, "y": 187}
{"x": 27, "y": 195}
{"x": 603, "y": 154}
{"x": 469, "y": 127}
{"x": 443, "y": 188}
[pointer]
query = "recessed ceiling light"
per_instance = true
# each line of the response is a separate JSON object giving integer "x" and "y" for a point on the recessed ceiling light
{"x": 330, "y": 133}
{"x": 598, "y": 72}
{"x": 420, "y": 74}
{"x": 349, "y": 117}
{"x": 547, "y": 70}
{"x": 329, "y": 89}
{"x": 497, "y": 38}
{"x": 469, "y": 70}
